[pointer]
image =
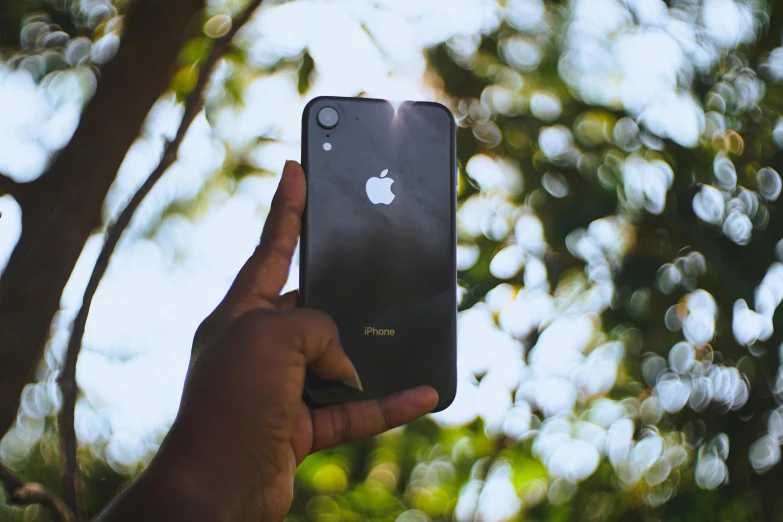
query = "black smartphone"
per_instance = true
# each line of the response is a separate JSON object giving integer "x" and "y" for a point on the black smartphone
{"x": 378, "y": 244}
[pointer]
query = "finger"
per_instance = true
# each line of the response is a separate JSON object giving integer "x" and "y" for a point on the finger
{"x": 263, "y": 276}
{"x": 213, "y": 324}
{"x": 352, "y": 421}
{"x": 288, "y": 300}
{"x": 315, "y": 336}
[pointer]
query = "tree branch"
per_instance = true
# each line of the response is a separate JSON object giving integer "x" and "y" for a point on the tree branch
{"x": 193, "y": 106}
{"x": 21, "y": 493}
{"x": 63, "y": 207}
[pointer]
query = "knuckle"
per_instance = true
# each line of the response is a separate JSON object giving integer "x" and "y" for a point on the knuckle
{"x": 202, "y": 332}
{"x": 271, "y": 247}
{"x": 205, "y": 331}
{"x": 388, "y": 422}
{"x": 269, "y": 328}
{"x": 342, "y": 424}
{"x": 310, "y": 321}
{"x": 321, "y": 320}
{"x": 282, "y": 249}
{"x": 253, "y": 322}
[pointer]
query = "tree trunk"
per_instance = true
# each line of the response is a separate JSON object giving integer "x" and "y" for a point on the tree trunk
{"x": 63, "y": 207}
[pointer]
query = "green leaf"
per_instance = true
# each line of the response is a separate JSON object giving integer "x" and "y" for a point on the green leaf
{"x": 306, "y": 69}
{"x": 241, "y": 170}
{"x": 196, "y": 49}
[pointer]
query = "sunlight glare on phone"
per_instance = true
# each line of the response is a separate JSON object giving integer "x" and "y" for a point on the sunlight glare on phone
{"x": 396, "y": 106}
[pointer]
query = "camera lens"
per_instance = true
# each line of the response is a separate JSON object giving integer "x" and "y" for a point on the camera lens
{"x": 328, "y": 118}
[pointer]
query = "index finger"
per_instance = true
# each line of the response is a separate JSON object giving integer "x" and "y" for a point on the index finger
{"x": 263, "y": 276}
{"x": 348, "y": 422}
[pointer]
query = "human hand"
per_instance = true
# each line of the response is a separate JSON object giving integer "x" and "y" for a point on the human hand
{"x": 242, "y": 427}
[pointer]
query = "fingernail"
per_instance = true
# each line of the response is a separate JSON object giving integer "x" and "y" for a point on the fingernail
{"x": 286, "y": 168}
{"x": 354, "y": 382}
{"x": 288, "y": 165}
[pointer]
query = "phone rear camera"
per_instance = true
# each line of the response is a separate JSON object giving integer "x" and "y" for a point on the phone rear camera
{"x": 328, "y": 118}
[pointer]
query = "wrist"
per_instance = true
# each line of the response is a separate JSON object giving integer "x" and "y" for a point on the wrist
{"x": 167, "y": 487}
{"x": 167, "y": 491}
{"x": 200, "y": 475}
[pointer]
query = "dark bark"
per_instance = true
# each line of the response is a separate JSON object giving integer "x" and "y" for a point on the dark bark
{"x": 9, "y": 186}
{"x": 63, "y": 207}
{"x": 193, "y": 106}
{"x": 21, "y": 493}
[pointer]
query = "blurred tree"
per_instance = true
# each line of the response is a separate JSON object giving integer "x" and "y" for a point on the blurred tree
{"x": 617, "y": 216}
{"x": 61, "y": 208}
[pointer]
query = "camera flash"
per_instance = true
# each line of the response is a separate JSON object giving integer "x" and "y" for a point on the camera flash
{"x": 327, "y": 146}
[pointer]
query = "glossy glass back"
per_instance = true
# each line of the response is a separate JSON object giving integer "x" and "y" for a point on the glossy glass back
{"x": 378, "y": 242}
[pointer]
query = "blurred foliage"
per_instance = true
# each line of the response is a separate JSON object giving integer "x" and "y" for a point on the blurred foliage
{"x": 659, "y": 238}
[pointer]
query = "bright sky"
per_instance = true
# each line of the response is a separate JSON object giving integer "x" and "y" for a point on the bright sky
{"x": 156, "y": 292}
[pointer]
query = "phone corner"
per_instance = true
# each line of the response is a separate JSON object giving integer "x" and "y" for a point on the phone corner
{"x": 444, "y": 401}
{"x": 310, "y": 104}
{"x": 441, "y": 107}
{"x": 443, "y": 405}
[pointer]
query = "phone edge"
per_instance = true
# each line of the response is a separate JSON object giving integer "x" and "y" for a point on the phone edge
{"x": 443, "y": 403}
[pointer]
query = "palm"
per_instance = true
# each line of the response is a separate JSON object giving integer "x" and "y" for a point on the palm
{"x": 281, "y": 488}
{"x": 302, "y": 430}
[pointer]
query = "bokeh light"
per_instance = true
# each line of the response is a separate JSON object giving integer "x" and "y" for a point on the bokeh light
{"x": 619, "y": 251}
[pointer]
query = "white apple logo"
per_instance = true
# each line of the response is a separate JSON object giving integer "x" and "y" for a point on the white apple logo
{"x": 379, "y": 189}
